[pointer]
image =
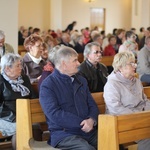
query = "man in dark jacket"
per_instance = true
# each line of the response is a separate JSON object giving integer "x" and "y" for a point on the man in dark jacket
{"x": 94, "y": 71}
{"x": 70, "y": 110}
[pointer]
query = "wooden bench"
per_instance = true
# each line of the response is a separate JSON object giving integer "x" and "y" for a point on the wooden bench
{"x": 5, "y": 143}
{"x": 80, "y": 57}
{"x": 115, "y": 130}
{"x": 107, "y": 60}
{"x": 98, "y": 97}
{"x": 29, "y": 111}
{"x": 21, "y": 50}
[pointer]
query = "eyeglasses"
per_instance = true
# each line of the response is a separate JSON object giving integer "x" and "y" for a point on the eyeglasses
{"x": 132, "y": 64}
{"x": 97, "y": 52}
{"x": 133, "y": 36}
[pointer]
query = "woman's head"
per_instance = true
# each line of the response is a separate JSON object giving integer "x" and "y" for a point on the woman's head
{"x": 33, "y": 44}
{"x": 124, "y": 62}
{"x": 11, "y": 65}
{"x": 121, "y": 59}
{"x": 44, "y": 51}
{"x": 130, "y": 35}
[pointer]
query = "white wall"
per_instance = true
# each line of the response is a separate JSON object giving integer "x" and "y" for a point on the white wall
{"x": 118, "y": 13}
{"x": 9, "y": 21}
{"x": 35, "y": 13}
{"x": 140, "y": 14}
{"x": 56, "y": 14}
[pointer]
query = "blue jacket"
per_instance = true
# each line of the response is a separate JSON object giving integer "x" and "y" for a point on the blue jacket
{"x": 66, "y": 104}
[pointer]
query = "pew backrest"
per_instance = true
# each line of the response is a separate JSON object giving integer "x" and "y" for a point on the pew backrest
{"x": 107, "y": 60}
{"x": 29, "y": 111}
{"x": 21, "y": 50}
{"x": 115, "y": 130}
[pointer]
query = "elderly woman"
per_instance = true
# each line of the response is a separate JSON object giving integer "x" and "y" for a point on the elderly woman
{"x": 32, "y": 61}
{"x": 123, "y": 92}
{"x": 129, "y": 44}
{"x": 13, "y": 85}
{"x": 49, "y": 67}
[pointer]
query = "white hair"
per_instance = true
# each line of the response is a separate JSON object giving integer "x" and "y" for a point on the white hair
{"x": 2, "y": 35}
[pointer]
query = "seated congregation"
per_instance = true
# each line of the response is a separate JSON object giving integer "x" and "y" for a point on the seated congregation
{"x": 50, "y": 71}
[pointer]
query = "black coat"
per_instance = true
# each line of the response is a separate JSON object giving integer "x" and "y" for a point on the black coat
{"x": 9, "y": 96}
{"x": 96, "y": 78}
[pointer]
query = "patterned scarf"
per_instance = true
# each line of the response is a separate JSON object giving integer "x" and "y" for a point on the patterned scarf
{"x": 17, "y": 85}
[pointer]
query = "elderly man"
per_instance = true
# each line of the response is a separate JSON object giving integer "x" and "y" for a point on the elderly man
{"x": 92, "y": 69}
{"x": 70, "y": 110}
{"x": 4, "y": 47}
{"x": 66, "y": 40}
{"x": 143, "y": 62}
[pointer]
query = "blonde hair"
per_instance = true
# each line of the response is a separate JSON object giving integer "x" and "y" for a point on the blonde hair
{"x": 121, "y": 60}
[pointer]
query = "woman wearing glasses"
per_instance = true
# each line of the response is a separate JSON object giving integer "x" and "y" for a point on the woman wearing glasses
{"x": 130, "y": 43}
{"x": 123, "y": 92}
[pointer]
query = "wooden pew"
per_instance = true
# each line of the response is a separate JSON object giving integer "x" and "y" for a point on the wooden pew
{"x": 80, "y": 57}
{"x": 29, "y": 111}
{"x": 98, "y": 97}
{"x": 5, "y": 144}
{"x": 21, "y": 50}
{"x": 115, "y": 130}
{"x": 107, "y": 60}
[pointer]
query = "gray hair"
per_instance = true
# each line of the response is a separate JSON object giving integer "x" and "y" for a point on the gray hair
{"x": 8, "y": 60}
{"x": 121, "y": 59}
{"x": 2, "y": 35}
{"x": 52, "y": 53}
{"x": 147, "y": 39}
{"x": 64, "y": 53}
{"x": 88, "y": 48}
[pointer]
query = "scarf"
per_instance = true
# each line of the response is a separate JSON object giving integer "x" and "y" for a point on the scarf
{"x": 17, "y": 85}
{"x": 35, "y": 60}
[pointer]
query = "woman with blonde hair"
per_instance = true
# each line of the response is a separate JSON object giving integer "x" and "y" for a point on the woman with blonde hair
{"x": 123, "y": 92}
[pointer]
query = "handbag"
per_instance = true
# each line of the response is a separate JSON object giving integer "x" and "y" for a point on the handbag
{"x": 6, "y": 114}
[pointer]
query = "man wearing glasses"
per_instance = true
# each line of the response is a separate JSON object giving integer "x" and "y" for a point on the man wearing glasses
{"x": 95, "y": 72}
{"x": 143, "y": 62}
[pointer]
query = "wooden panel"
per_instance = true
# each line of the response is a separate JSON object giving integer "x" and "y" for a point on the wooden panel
{"x": 134, "y": 135}
{"x": 107, "y": 138}
{"x": 147, "y": 91}
{"x": 80, "y": 57}
{"x": 107, "y": 60}
{"x": 21, "y": 50}
{"x": 142, "y": 120}
{"x": 35, "y": 106}
{"x": 23, "y": 123}
{"x": 38, "y": 117}
{"x": 98, "y": 97}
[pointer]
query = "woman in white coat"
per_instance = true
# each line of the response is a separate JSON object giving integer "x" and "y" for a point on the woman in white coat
{"x": 123, "y": 92}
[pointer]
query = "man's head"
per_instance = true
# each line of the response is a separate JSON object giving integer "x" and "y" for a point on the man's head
{"x": 92, "y": 52}
{"x": 65, "y": 37}
{"x": 66, "y": 61}
{"x": 147, "y": 41}
{"x": 2, "y": 38}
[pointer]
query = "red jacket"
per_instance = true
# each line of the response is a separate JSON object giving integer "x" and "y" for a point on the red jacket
{"x": 109, "y": 51}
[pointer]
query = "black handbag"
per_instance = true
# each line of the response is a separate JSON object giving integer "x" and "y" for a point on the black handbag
{"x": 6, "y": 114}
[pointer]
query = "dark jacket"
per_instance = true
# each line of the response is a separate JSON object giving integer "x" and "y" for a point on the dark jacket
{"x": 96, "y": 78}
{"x": 9, "y": 96}
{"x": 66, "y": 104}
{"x": 31, "y": 69}
{"x": 79, "y": 48}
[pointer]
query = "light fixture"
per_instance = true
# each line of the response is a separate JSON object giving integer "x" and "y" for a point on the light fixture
{"x": 91, "y": 1}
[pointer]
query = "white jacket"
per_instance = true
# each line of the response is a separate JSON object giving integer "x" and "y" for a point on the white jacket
{"x": 123, "y": 96}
